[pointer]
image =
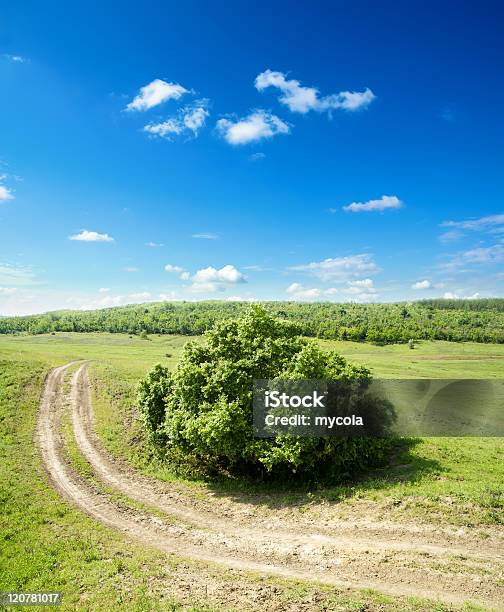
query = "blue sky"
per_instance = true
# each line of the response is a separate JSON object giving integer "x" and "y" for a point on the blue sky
{"x": 306, "y": 151}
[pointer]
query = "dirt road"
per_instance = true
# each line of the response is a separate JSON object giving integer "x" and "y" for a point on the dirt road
{"x": 398, "y": 559}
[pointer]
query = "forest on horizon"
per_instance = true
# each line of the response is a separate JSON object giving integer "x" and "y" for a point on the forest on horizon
{"x": 480, "y": 320}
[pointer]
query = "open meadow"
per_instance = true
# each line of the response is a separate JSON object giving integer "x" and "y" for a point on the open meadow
{"x": 436, "y": 483}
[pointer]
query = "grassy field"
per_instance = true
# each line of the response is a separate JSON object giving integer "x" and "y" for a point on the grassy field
{"x": 436, "y": 359}
{"x": 44, "y": 541}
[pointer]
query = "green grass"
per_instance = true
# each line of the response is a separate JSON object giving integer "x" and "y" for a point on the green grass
{"x": 455, "y": 480}
{"x": 434, "y": 359}
{"x": 45, "y": 544}
{"x": 130, "y": 353}
{"x": 429, "y": 359}
{"x": 435, "y": 479}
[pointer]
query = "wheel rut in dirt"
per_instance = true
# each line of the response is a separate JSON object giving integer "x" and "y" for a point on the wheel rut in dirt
{"x": 393, "y": 559}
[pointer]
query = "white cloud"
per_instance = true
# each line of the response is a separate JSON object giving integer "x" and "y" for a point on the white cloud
{"x": 5, "y": 194}
{"x": 489, "y": 255}
{"x": 189, "y": 120}
{"x": 476, "y": 224}
{"x": 87, "y": 236}
{"x": 448, "y": 295}
{"x": 210, "y": 280}
{"x": 256, "y": 126}
{"x": 155, "y": 93}
{"x": 424, "y": 284}
{"x": 294, "y": 287}
{"x": 194, "y": 118}
{"x": 301, "y": 99}
{"x": 172, "y": 268}
{"x": 493, "y": 254}
{"x": 154, "y": 245}
{"x": 493, "y": 224}
{"x": 206, "y": 236}
{"x": 350, "y": 100}
{"x": 130, "y": 269}
{"x": 298, "y": 98}
{"x": 227, "y": 274}
{"x": 206, "y": 287}
{"x": 383, "y": 203}
{"x": 256, "y": 156}
{"x": 184, "y": 275}
{"x": 7, "y": 290}
{"x": 340, "y": 268}
{"x": 103, "y": 290}
{"x": 360, "y": 290}
{"x": 299, "y": 292}
{"x": 166, "y": 129}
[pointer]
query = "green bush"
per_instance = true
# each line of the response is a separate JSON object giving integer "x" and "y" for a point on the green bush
{"x": 152, "y": 393}
{"x": 203, "y": 410}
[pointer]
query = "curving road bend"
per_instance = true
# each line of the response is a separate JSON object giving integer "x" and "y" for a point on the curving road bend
{"x": 396, "y": 559}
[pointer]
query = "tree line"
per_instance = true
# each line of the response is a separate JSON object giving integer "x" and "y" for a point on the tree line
{"x": 454, "y": 320}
